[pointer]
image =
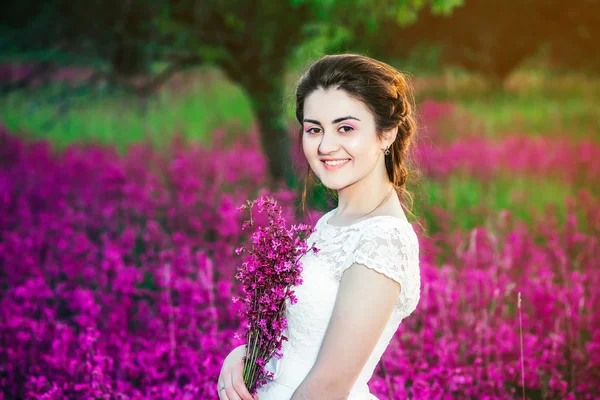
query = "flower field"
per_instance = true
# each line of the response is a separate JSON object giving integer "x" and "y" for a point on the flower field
{"x": 117, "y": 271}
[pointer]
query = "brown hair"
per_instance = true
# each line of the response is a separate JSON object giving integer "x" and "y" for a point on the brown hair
{"x": 385, "y": 91}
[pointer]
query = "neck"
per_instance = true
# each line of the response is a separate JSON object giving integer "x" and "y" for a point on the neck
{"x": 364, "y": 196}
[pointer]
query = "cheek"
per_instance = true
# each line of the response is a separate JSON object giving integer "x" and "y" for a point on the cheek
{"x": 309, "y": 147}
{"x": 357, "y": 147}
{"x": 305, "y": 148}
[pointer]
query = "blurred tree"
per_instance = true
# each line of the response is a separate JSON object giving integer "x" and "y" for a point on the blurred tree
{"x": 574, "y": 35}
{"x": 27, "y": 27}
{"x": 252, "y": 41}
{"x": 117, "y": 31}
{"x": 493, "y": 37}
{"x": 112, "y": 33}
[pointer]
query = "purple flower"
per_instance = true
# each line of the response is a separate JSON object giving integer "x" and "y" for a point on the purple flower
{"x": 266, "y": 278}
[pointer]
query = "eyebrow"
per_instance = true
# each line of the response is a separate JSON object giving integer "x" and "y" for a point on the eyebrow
{"x": 335, "y": 121}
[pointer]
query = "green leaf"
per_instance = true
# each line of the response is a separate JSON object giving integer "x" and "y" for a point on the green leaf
{"x": 445, "y": 7}
{"x": 234, "y": 22}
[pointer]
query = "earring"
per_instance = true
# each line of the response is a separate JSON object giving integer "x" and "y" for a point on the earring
{"x": 387, "y": 152}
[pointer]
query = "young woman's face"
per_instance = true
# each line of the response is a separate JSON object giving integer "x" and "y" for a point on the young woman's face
{"x": 339, "y": 127}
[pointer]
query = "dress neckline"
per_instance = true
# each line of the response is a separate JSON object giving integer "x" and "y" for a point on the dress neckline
{"x": 334, "y": 211}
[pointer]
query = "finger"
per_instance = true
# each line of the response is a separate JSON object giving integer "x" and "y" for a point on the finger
{"x": 242, "y": 390}
{"x": 231, "y": 392}
{"x": 221, "y": 393}
{"x": 237, "y": 376}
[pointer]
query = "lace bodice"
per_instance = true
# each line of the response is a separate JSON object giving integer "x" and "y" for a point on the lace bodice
{"x": 385, "y": 244}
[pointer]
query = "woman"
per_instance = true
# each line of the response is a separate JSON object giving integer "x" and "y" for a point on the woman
{"x": 357, "y": 127}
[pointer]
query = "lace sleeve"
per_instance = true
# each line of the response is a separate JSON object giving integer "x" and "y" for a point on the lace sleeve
{"x": 387, "y": 248}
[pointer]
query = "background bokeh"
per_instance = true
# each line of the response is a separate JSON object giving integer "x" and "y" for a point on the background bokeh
{"x": 130, "y": 131}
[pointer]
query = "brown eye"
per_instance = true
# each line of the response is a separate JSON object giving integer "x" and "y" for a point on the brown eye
{"x": 349, "y": 128}
{"x": 310, "y": 130}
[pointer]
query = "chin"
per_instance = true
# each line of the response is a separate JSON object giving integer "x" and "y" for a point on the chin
{"x": 335, "y": 183}
{"x": 334, "y": 187}
{"x": 333, "y": 180}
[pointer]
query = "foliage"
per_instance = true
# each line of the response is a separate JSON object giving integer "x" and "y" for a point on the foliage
{"x": 494, "y": 38}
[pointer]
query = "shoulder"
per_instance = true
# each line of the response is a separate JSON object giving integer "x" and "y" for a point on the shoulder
{"x": 389, "y": 246}
{"x": 389, "y": 233}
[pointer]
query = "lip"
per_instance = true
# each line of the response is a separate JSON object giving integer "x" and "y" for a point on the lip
{"x": 334, "y": 167}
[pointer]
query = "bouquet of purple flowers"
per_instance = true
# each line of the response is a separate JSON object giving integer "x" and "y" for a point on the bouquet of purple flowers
{"x": 267, "y": 279}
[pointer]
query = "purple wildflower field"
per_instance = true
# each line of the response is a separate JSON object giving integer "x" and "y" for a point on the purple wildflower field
{"x": 118, "y": 275}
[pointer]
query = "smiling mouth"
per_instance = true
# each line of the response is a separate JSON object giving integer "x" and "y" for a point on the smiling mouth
{"x": 336, "y": 165}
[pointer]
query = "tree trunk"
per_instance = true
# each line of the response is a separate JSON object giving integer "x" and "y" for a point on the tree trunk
{"x": 275, "y": 143}
{"x": 266, "y": 98}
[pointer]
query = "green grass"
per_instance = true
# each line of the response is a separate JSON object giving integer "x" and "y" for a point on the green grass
{"x": 533, "y": 103}
{"x": 535, "y": 114}
{"x": 202, "y": 106}
{"x": 469, "y": 202}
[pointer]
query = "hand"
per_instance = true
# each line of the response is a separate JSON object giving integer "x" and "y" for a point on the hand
{"x": 232, "y": 378}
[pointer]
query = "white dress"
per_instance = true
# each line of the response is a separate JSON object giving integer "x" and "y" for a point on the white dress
{"x": 386, "y": 244}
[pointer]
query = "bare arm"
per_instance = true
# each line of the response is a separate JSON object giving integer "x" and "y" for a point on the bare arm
{"x": 363, "y": 306}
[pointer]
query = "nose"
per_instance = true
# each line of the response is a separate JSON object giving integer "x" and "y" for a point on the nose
{"x": 328, "y": 144}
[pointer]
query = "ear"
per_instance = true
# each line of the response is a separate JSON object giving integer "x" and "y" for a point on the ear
{"x": 389, "y": 137}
